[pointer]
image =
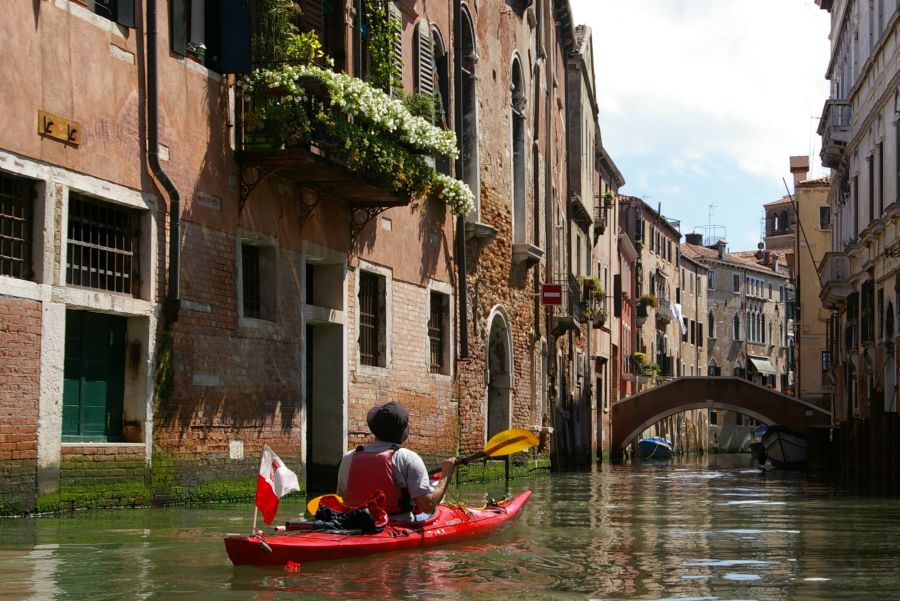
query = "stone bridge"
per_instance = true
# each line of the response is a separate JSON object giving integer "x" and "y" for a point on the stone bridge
{"x": 636, "y": 413}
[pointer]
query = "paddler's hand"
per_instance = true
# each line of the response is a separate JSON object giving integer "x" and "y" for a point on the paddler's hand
{"x": 447, "y": 467}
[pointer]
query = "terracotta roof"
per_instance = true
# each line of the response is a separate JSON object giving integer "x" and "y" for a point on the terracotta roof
{"x": 825, "y": 180}
{"x": 745, "y": 258}
{"x": 782, "y": 200}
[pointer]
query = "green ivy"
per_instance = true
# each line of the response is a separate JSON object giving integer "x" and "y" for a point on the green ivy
{"x": 384, "y": 35}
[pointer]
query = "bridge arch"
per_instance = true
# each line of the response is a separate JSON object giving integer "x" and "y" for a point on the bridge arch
{"x": 634, "y": 414}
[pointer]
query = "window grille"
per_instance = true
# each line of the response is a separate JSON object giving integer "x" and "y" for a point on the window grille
{"x": 103, "y": 246}
{"x": 250, "y": 275}
{"x": 436, "y": 332}
{"x": 16, "y": 196}
{"x": 369, "y": 319}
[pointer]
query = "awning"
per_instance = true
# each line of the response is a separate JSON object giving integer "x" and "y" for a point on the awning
{"x": 763, "y": 366}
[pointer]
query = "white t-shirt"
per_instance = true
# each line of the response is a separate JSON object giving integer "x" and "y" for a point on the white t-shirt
{"x": 409, "y": 472}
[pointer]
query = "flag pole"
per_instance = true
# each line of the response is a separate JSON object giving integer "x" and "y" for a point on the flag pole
{"x": 255, "y": 513}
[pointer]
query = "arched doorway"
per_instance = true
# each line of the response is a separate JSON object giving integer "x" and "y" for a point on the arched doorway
{"x": 499, "y": 368}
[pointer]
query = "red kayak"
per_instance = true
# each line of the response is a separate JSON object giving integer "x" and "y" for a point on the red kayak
{"x": 448, "y": 525}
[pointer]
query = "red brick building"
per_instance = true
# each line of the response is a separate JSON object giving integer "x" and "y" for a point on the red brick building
{"x": 195, "y": 268}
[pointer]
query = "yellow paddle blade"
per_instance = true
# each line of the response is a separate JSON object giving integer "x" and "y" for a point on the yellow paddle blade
{"x": 313, "y": 505}
{"x": 509, "y": 442}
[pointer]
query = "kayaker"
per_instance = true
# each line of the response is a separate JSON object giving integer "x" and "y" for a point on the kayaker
{"x": 386, "y": 465}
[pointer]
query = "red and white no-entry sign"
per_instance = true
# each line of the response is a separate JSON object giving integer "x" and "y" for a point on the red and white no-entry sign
{"x": 551, "y": 294}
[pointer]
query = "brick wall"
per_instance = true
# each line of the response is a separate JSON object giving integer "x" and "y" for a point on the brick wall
{"x": 20, "y": 356}
{"x": 230, "y": 382}
{"x": 97, "y": 465}
{"x": 428, "y": 397}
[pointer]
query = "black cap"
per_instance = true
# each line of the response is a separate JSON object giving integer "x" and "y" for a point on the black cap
{"x": 389, "y": 422}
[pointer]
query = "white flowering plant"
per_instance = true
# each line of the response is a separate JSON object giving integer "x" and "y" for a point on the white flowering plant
{"x": 373, "y": 133}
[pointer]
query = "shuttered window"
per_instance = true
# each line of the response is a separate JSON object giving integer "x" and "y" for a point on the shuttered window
{"x": 424, "y": 62}
{"x": 312, "y": 17}
{"x": 120, "y": 11}
{"x": 396, "y": 16}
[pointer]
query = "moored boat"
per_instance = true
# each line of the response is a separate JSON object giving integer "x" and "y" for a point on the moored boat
{"x": 757, "y": 451}
{"x": 784, "y": 448}
{"x": 449, "y": 524}
{"x": 655, "y": 447}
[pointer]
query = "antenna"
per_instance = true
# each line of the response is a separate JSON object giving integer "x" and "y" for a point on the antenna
{"x": 711, "y": 233}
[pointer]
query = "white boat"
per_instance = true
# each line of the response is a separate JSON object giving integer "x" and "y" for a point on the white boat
{"x": 784, "y": 448}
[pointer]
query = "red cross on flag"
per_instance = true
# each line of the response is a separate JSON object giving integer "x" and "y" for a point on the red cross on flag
{"x": 275, "y": 481}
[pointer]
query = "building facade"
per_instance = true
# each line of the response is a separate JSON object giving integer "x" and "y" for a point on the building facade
{"x": 749, "y": 331}
{"x": 812, "y": 241}
{"x": 246, "y": 255}
{"x": 861, "y": 273}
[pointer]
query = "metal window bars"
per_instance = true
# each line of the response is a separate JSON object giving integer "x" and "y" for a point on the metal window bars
{"x": 102, "y": 248}
{"x": 16, "y": 196}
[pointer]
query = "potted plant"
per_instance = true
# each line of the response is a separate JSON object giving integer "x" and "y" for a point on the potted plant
{"x": 640, "y": 358}
{"x": 196, "y": 51}
{"x": 651, "y": 370}
{"x": 648, "y": 300}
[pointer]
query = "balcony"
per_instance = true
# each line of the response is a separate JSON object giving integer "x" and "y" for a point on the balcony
{"x": 570, "y": 313}
{"x": 834, "y": 127}
{"x": 834, "y": 272}
{"x": 342, "y": 138}
{"x": 664, "y": 312}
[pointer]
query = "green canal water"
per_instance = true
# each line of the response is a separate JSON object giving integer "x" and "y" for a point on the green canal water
{"x": 692, "y": 529}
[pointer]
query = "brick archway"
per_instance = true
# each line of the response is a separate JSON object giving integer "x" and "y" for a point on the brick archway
{"x": 633, "y": 415}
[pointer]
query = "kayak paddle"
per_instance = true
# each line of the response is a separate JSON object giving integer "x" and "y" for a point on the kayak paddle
{"x": 500, "y": 445}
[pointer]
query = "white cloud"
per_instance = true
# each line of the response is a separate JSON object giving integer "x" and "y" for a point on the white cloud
{"x": 708, "y": 81}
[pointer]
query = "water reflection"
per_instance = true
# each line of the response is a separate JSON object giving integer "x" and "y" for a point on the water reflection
{"x": 683, "y": 530}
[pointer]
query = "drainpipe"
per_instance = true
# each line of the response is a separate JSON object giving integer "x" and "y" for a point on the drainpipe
{"x": 460, "y": 174}
{"x": 173, "y": 301}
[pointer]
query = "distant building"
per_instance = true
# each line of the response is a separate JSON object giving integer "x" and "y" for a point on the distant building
{"x": 749, "y": 328}
{"x": 811, "y": 241}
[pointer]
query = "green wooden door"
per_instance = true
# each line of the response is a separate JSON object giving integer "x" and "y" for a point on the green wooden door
{"x": 94, "y": 378}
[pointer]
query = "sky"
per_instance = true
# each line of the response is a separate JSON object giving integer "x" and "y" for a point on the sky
{"x": 702, "y": 102}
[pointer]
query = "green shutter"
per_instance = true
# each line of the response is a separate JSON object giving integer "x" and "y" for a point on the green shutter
{"x": 179, "y": 20}
{"x": 125, "y": 13}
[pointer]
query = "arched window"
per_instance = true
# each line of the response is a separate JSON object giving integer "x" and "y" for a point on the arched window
{"x": 469, "y": 126}
{"x": 762, "y": 328}
{"x": 711, "y": 326}
{"x": 517, "y": 106}
{"x": 737, "y": 326}
{"x": 783, "y": 221}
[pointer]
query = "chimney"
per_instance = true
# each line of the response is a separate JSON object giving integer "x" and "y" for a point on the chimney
{"x": 720, "y": 246}
{"x": 800, "y": 169}
{"x": 694, "y": 238}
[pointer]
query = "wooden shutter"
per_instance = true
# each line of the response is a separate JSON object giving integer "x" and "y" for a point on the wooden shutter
{"x": 179, "y": 20}
{"x": 125, "y": 13}
{"x": 395, "y": 15}
{"x": 424, "y": 59}
{"x": 229, "y": 39}
{"x": 313, "y": 17}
